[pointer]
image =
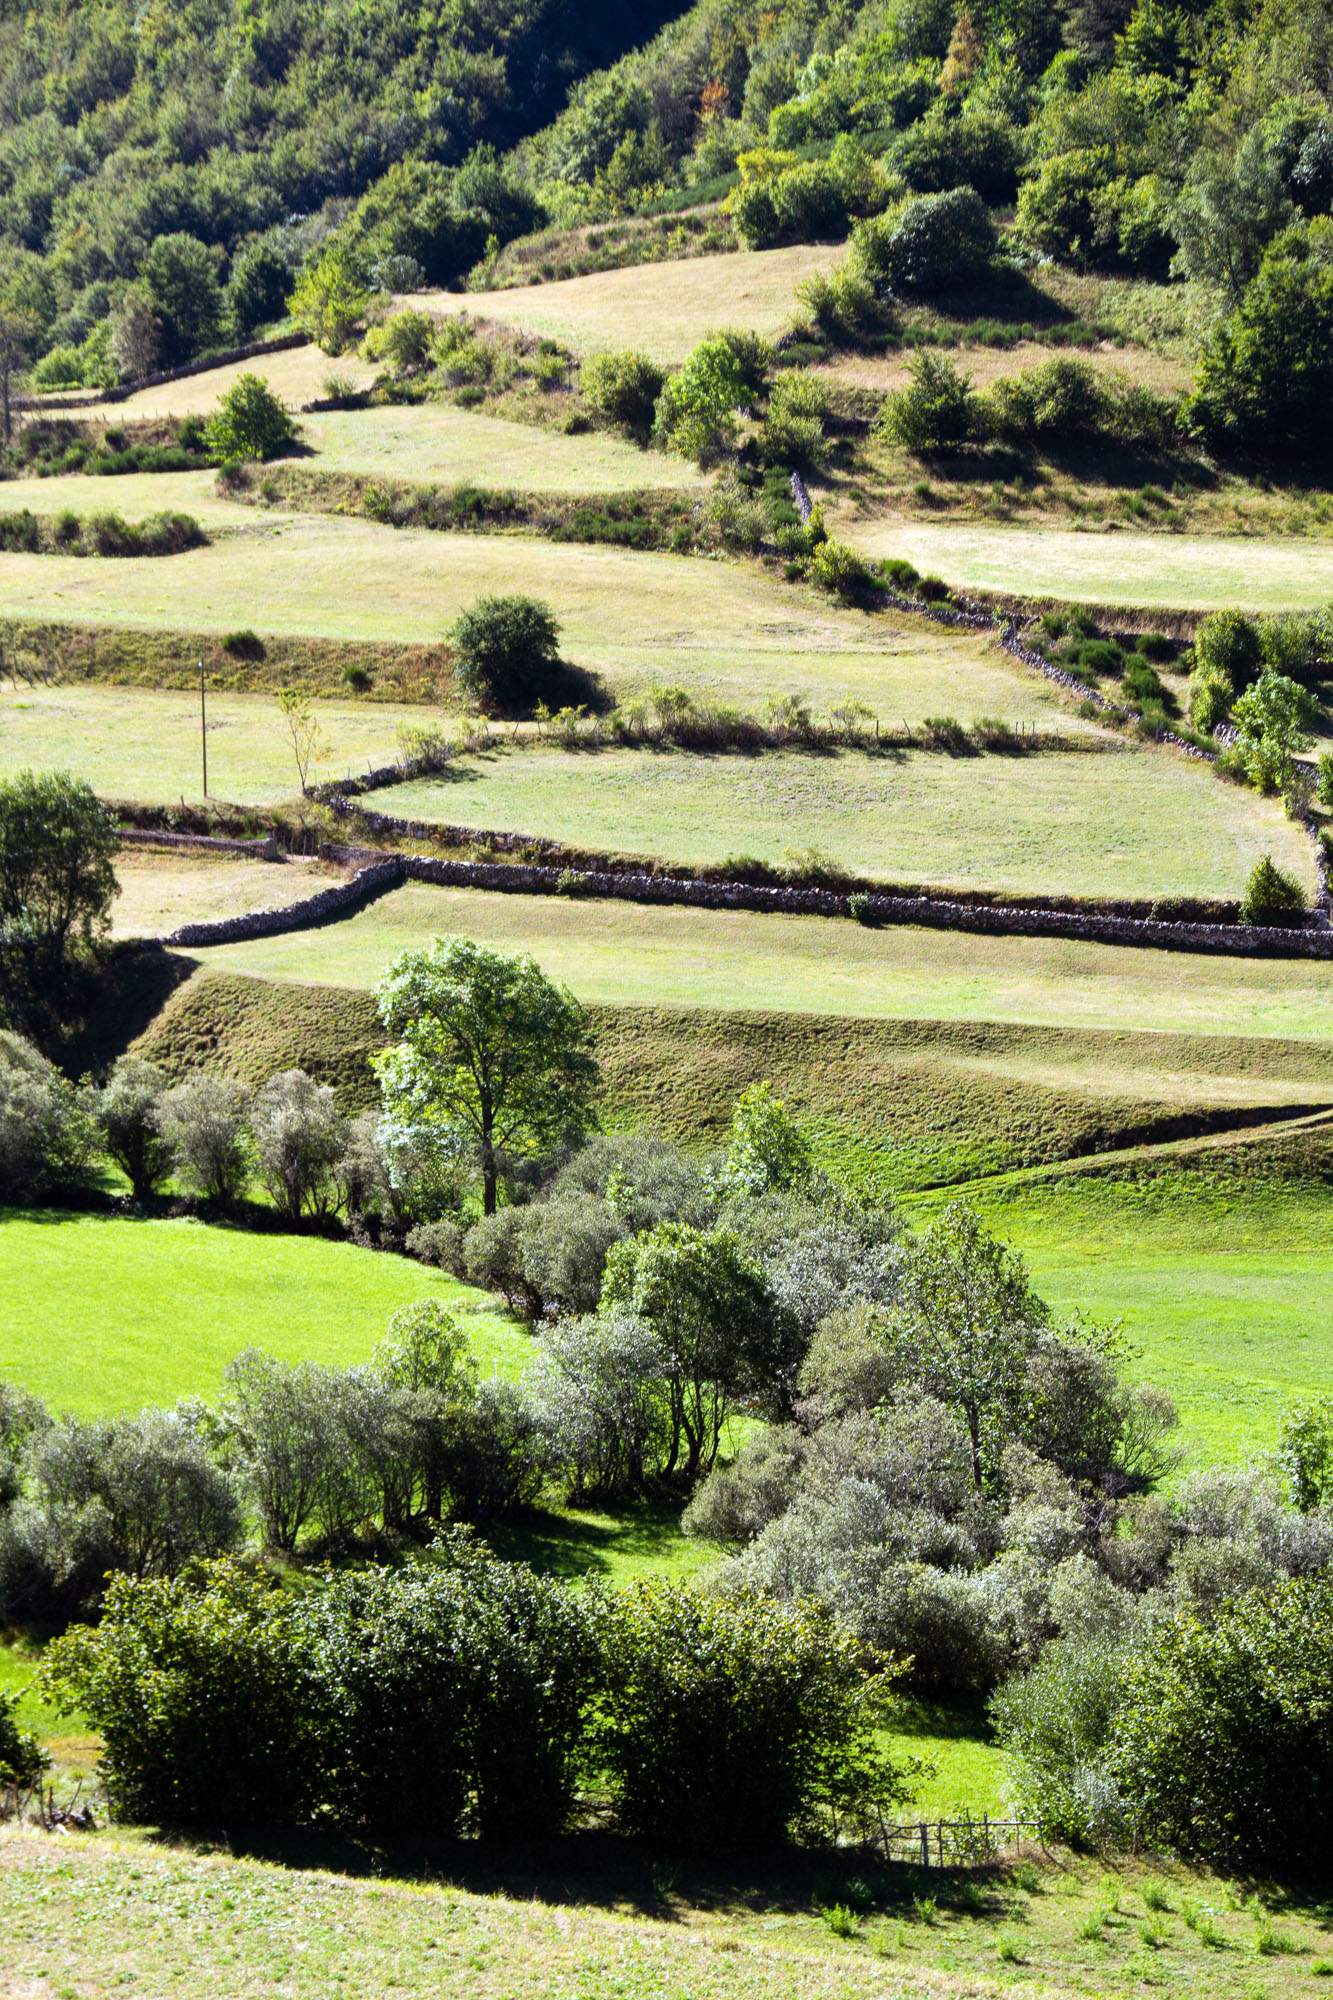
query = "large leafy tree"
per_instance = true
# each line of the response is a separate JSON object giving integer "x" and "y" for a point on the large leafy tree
{"x": 1265, "y": 381}
{"x": 966, "y": 1326}
{"x": 57, "y": 883}
{"x": 718, "y": 1324}
{"x": 489, "y": 1048}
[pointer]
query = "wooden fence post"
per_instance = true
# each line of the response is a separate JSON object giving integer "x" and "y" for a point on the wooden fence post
{"x": 925, "y": 1844}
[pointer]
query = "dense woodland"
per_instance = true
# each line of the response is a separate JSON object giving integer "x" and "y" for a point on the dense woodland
{"x": 166, "y": 179}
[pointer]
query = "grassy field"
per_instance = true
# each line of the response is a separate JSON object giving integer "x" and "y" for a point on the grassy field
{"x": 717, "y": 628}
{"x": 1225, "y": 1289}
{"x": 136, "y": 743}
{"x": 601, "y": 1920}
{"x": 133, "y": 1312}
{"x": 454, "y": 447}
{"x": 985, "y": 365}
{"x": 430, "y": 441}
{"x": 662, "y": 309}
{"x": 626, "y": 954}
{"x": 297, "y": 375}
{"x": 1192, "y": 571}
{"x": 1127, "y": 822}
{"x": 162, "y": 888}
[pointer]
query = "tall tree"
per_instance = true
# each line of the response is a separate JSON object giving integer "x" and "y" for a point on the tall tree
{"x": 57, "y": 882}
{"x": 489, "y": 1048}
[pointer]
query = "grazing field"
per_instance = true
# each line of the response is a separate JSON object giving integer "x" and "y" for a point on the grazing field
{"x": 608, "y": 1921}
{"x": 161, "y": 888}
{"x": 131, "y": 494}
{"x": 297, "y": 375}
{"x": 1226, "y": 1291}
{"x": 454, "y": 447}
{"x": 1199, "y": 572}
{"x": 1125, "y": 823}
{"x": 134, "y": 743}
{"x": 662, "y": 308}
{"x": 628, "y": 954}
{"x": 721, "y": 630}
{"x": 106, "y": 1313}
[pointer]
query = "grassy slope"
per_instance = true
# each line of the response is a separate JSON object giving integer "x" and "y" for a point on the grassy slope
{"x": 1197, "y": 571}
{"x": 1077, "y": 823}
{"x": 600, "y": 1920}
{"x": 184, "y": 1299}
{"x": 133, "y": 743}
{"x": 663, "y": 310}
{"x": 296, "y": 375}
{"x": 631, "y": 954}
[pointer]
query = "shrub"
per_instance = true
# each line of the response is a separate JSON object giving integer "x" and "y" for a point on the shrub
{"x": 249, "y": 422}
{"x": 125, "y": 1114}
{"x": 245, "y": 645}
{"x": 1226, "y": 1725}
{"x": 506, "y": 652}
{"x": 793, "y": 430}
{"x": 599, "y": 1393}
{"x": 1272, "y": 897}
{"x": 980, "y": 150}
{"x": 46, "y": 1127}
{"x": 203, "y": 1122}
{"x": 57, "y": 883}
{"x": 1059, "y": 400}
{"x": 22, "y": 1758}
{"x": 729, "y": 1726}
{"x": 937, "y": 411}
{"x": 1230, "y": 644}
{"x": 439, "y": 1243}
{"x": 836, "y": 567}
{"x": 298, "y": 1140}
{"x": 931, "y": 243}
{"x": 200, "y": 1688}
{"x": 623, "y": 388}
{"x": 1052, "y": 1727}
{"x": 285, "y": 1439}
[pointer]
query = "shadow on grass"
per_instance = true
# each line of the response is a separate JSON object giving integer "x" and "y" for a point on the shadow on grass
{"x": 598, "y": 1869}
{"x": 590, "y": 1544}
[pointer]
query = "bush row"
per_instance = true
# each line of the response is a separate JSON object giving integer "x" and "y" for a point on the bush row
{"x": 462, "y": 1693}
{"x": 164, "y": 534}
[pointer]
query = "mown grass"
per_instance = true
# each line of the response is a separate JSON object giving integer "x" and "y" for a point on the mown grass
{"x": 630, "y": 954}
{"x": 597, "y": 1918}
{"x": 104, "y": 1313}
{"x": 1127, "y": 822}
{"x": 131, "y": 743}
{"x": 163, "y": 888}
{"x": 296, "y": 375}
{"x": 664, "y": 312}
{"x": 1195, "y": 571}
{"x": 450, "y": 446}
{"x": 720, "y": 629}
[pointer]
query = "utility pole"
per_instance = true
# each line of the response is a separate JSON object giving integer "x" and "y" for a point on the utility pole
{"x": 203, "y": 727}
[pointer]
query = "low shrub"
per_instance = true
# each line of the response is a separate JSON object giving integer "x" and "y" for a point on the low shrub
{"x": 622, "y": 388}
{"x": 1273, "y": 897}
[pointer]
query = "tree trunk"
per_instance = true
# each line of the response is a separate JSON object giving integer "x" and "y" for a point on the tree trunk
{"x": 489, "y": 1174}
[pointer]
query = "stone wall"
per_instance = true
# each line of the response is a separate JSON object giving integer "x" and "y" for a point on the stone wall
{"x": 337, "y": 901}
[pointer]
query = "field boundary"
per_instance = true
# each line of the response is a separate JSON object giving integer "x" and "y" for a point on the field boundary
{"x": 378, "y": 877}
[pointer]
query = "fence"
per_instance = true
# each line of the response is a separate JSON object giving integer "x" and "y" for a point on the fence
{"x": 955, "y": 1843}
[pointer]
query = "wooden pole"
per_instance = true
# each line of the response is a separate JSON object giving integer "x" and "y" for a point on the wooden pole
{"x": 203, "y": 727}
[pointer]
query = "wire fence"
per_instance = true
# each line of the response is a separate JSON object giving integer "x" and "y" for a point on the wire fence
{"x": 956, "y": 1843}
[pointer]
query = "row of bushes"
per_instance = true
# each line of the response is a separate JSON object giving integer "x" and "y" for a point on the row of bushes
{"x": 462, "y": 1693}
{"x": 164, "y": 534}
{"x": 1059, "y": 402}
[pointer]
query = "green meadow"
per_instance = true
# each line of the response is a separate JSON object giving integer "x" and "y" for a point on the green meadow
{"x": 106, "y": 1313}
{"x": 632, "y": 954}
{"x": 1128, "y": 822}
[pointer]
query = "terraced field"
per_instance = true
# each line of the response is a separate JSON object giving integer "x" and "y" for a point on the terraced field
{"x": 1199, "y": 572}
{"x": 663, "y": 309}
{"x": 161, "y": 889}
{"x": 137, "y": 744}
{"x": 630, "y": 954}
{"x": 1124, "y": 822}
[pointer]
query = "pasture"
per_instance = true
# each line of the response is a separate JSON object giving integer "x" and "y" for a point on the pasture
{"x": 107, "y": 1313}
{"x": 723, "y": 631}
{"x": 1128, "y": 822}
{"x": 163, "y": 888}
{"x": 662, "y": 308}
{"x": 453, "y": 447}
{"x": 630, "y": 954}
{"x": 296, "y": 375}
{"x": 141, "y": 744}
{"x": 1194, "y": 572}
